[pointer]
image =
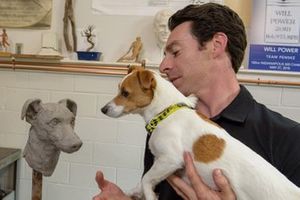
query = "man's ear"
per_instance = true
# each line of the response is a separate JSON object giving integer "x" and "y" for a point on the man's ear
{"x": 219, "y": 43}
{"x": 70, "y": 104}
{"x": 146, "y": 79}
{"x": 30, "y": 109}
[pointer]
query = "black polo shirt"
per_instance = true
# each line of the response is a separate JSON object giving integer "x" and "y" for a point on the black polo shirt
{"x": 268, "y": 133}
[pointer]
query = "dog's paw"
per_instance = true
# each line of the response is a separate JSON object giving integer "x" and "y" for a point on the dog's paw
{"x": 136, "y": 193}
{"x": 136, "y": 196}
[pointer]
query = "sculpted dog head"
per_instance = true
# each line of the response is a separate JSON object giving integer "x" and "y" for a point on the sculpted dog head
{"x": 136, "y": 91}
{"x": 52, "y": 131}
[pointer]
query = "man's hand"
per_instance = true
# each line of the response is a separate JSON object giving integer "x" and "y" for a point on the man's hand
{"x": 109, "y": 190}
{"x": 198, "y": 190}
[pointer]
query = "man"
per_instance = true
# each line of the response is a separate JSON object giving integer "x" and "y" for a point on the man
{"x": 203, "y": 53}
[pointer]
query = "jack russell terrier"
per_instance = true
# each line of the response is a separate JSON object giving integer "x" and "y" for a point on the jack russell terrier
{"x": 176, "y": 127}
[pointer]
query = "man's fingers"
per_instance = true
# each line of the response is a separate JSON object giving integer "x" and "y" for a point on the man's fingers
{"x": 182, "y": 188}
{"x": 223, "y": 184}
{"x": 193, "y": 176}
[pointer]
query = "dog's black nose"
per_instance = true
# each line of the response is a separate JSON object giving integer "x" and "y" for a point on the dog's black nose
{"x": 77, "y": 146}
{"x": 104, "y": 109}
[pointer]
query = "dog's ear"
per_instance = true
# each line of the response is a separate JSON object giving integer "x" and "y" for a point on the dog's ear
{"x": 30, "y": 109}
{"x": 70, "y": 104}
{"x": 132, "y": 68}
{"x": 146, "y": 79}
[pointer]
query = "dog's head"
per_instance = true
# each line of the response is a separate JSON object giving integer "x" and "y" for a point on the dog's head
{"x": 53, "y": 123}
{"x": 136, "y": 91}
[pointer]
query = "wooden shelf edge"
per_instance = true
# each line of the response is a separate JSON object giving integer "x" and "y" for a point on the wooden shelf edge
{"x": 113, "y": 69}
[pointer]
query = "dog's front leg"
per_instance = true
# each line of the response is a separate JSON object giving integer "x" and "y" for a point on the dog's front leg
{"x": 160, "y": 170}
{"x": 136, "y": 193}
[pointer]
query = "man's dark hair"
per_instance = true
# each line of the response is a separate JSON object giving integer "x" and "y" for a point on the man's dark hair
{"x": 210, "y": 18}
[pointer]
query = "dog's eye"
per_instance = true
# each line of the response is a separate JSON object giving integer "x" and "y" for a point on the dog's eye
{"x": 54, "y": 122}
{"x": 124, "y": 93}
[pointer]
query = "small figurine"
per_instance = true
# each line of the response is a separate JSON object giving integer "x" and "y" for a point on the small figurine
{"x": 88, "y": 33}
{"x": 135, "y": 48}
{"x": 4, "y": 39}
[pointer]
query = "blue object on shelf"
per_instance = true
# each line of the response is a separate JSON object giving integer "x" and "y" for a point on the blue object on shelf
{"x": 85, "y": 55}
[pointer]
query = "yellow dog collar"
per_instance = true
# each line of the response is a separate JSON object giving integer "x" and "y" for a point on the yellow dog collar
{"x": 163, "y": 115}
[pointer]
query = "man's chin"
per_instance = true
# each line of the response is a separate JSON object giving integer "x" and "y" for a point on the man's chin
{"x": 176, "y": 82}
{"x": 177, "y": 85}
{"x": 180, "y": 88}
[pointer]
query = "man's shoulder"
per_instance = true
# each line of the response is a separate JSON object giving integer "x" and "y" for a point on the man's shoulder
{"x": 273, "y": 118}
{"x": 261, "y": 113}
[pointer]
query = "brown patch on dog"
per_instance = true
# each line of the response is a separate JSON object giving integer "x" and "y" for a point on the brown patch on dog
{"x": 207, "y": 119}
{"x": 208, "y": 148}
{"x": 136, "y": 90}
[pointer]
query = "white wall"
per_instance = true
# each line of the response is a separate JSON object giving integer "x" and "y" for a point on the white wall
{"x": 115, "y": 33}
{"x": 113, "y": 145}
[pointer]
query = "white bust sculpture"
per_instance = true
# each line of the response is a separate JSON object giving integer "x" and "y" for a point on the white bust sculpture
{"x": 160, "y": 25}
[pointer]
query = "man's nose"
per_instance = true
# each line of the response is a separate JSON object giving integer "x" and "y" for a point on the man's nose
{"x": 165, "y": 65}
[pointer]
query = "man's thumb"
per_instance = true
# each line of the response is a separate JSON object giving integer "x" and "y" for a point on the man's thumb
{"x": 100, "y": 180}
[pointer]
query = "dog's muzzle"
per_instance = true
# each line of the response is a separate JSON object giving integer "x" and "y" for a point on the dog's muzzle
{"x": 112, "y": 110}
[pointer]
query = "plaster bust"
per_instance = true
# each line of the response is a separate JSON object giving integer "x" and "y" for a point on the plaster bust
{"x": 160, "y": 25}
{"x": 51, "y": 131}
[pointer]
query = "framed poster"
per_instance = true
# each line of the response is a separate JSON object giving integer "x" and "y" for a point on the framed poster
{"x": 278, "y": 46}
{"x": 25, "y": 14}
{"x": 141, "y": 7}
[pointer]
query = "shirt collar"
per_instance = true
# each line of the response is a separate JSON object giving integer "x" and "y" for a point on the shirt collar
{"x": 239, "y": 108}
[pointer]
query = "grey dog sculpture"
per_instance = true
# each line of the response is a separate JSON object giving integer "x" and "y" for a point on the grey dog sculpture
{"x": 51, "y": 131}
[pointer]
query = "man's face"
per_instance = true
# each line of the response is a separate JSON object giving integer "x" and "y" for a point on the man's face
{"x": 186, "y": 64}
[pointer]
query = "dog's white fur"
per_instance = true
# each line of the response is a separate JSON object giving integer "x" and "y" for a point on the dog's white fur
{"x": 251, "y": 177}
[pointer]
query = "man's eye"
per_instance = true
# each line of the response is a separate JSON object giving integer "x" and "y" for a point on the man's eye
{"x": 54, "y": 122}
{"x": 175, "y": 53}
{"x": 124, "y": 93}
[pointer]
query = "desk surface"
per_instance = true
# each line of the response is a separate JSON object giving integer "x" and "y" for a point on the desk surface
{"x": 8, "y": 156}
